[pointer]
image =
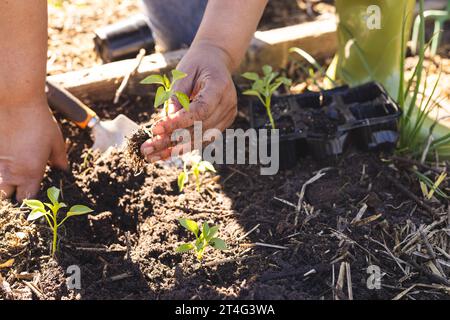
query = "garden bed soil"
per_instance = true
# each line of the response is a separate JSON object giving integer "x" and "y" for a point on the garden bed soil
{"x": 126, "y": 249}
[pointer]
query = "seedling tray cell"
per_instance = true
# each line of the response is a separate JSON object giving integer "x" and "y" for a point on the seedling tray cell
{"x": 324, "y": 123}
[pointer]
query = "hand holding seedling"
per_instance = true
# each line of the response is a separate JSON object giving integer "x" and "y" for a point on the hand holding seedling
{"x": 166, "y": 91}
{"x": 197, "y": 169}
{"x": 264, "y": 87}
{"x": 50, "y": 212}
{"x": 213, "y": 94}
{"x": 217, "y": 50}
{"x": 206, "y": 238}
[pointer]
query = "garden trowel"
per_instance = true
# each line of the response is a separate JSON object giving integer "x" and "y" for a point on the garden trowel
{"x": 106, "y": 133}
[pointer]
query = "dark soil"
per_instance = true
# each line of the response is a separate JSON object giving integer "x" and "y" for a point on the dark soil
{"x": 126, "y": 250}
{"x": 320, "y": 122}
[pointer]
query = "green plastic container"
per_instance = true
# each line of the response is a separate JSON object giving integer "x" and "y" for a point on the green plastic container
{"x": 369, "y": 36}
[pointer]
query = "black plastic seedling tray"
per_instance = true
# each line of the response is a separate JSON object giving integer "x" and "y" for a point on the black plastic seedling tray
{"x": 325, "y": 123}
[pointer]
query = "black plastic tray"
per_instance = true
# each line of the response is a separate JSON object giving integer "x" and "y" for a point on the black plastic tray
{"x": 324, "y": 123}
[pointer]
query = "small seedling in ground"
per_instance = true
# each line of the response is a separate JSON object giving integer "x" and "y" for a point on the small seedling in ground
{"x": 197, "y": 168}
{"x": 264, "y": 87}
{"x": 50, "y": 212}
{"x": 166, "y": 91}
{"x": 204, "y": 238}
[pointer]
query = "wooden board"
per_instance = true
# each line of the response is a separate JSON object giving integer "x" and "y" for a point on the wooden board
{"x": 267, "y": 47}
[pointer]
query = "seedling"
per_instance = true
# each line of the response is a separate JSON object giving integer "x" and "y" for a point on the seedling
{"x": 264, "y": 87}
{"x": 197, "y": 169}
{"x": 39, "y": 209}
{"x": 206, "y": 238}
{"x": 166, "y": 91}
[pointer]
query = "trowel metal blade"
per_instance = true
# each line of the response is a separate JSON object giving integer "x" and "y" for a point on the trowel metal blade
{"x": 113, "y": 133}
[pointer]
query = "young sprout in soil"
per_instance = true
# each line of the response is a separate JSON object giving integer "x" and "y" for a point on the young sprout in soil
{"x": 197, "y": 169}
{"x": 264, "y": 87}
{"x": 166, "y": 91}
{"x": 203, "y": 240}
{"x": 39, "y": 209}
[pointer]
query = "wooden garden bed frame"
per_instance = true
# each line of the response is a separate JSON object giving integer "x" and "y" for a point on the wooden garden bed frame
{"x": 267, "y": 47}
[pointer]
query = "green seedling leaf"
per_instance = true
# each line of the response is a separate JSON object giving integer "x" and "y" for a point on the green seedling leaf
{"x": 205, "y": 230}
{"x": 34, "y": 205}
{"x": 196, "y": 171}
{"x": 275, "y": 87}
{"x": 160, "y": 97}
{"x": 205, "y": 239}
{"x": 57, "y": 206}
{"x": 265, "y": 87}
{"x": 38, "y": 210}
{"x": 166, "y": 90}
{"x": 212, "y": 233}
{"x": 251, "y": 93}
{"x": 166, "y": 82}
{"x": 53, "y": 195}
{"x": 36, "y": 214}
{"x": 49, "y": 205}
{"x": 178, "y": 75}
{"x": 185, "y": 248}
{"x": 195, "y": 167}
{"x": 251, "y": 76}
{"x": 269, "y": 78}
{"x": 267, "y": 69}
{"x": 153, "y": 79}
{"x": 205, "y": 165}
{"x": 200, "y": 244}
{"x": 218, "y": 243}
{"x": 78, "y": 210}
{"x": 259, "y": 86}
{"x": 183, "y": 99}
{"x": 182, "y": 180}
{"x": 286, "y": 81}
{"x": 190, "y": 225}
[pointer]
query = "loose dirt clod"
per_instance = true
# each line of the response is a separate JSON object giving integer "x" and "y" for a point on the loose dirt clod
{"x": 133, "y": 149}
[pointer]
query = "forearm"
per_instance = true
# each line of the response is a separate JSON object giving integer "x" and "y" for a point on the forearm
{"x": 230, "y": 25}
{"x": 23, "y": 49}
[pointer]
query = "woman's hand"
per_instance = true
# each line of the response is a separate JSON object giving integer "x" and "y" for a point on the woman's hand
{"x": 29, "y": 138}
{"x": 214, "y": 101}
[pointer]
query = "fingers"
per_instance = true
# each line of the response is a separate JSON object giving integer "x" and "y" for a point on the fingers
{"x": 217, "y": 120}
{"x": 156, "y": 144}
{"x": 26, "y": 187}
{"x": 201, "y": 108}
{"x": 6, "y": 187}
{"x": 28, "y": 190}
{"x": 6, "y": 190}
{"x": 58, "y": 156}
{"x": 166, "y": 151}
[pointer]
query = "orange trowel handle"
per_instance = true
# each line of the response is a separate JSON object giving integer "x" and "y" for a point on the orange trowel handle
{"x": 73, "y": 109}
